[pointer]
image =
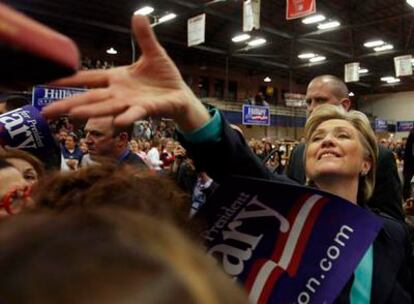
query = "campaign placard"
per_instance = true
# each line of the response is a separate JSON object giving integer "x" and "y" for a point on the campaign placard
{"x": 299, "y": 8}
{"x": 405, "y": 126}
{"x": 25, "y": 129}
{"x": 256, "y": 115}
{"x": 286, "y": 243}
{"x": 44, "y": 95}
{"x": 380, "y": 125}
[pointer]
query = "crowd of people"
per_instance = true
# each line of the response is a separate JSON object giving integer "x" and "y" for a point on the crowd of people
{"x": 112, "y": 220}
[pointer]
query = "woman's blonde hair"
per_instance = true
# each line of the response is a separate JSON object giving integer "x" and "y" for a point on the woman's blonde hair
{"x": 366, "y": 136}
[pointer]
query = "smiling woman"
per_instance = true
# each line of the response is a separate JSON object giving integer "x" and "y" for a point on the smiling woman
{"x": 341, "y": 152}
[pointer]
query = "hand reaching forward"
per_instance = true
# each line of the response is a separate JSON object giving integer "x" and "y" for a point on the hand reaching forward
{"x": 152, "y": 86}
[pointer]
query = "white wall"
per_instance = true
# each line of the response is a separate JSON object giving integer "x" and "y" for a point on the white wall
{"x": 280, "y": 133}
{"x": 395, "y": 106}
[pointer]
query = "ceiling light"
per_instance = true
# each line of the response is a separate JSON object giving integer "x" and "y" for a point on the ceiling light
{"x": 373, "y": 43}
{"x": 112, "y": 51}
{"x": 351, "y": 94}
{"x": 384, "y": 48}
{"x": 146, "y": 10}
{"x": 387, "y": 78}
{"x": 411, "y": 2}
{"x": 267, "y": 79}
{"x": 306, "y": 55}
{"x": 363, "y": 71}
{"x": 317, "y": 59}
{"x": 328, "y": 25}
{"x": 240, "y": 38}
{"x": 313, "y": 19}
{"x": 395, "y": 80}
{"x": 167, "y": 17}
{"x": 257, "y": 42}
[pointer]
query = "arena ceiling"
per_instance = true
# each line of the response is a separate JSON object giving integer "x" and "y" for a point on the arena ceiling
{"x": 97, "y": 25}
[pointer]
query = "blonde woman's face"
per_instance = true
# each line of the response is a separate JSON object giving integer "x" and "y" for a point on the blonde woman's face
{"x": 334, "y": 150}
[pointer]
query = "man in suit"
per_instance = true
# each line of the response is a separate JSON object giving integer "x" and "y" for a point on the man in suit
{"x": 387, "y": 196}
{"x": 105, "y": 140}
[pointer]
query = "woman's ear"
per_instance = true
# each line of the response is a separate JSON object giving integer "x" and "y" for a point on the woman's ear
{"x": 366, "y": 166}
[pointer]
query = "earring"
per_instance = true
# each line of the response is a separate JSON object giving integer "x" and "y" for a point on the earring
{"x": 363, "y": 173}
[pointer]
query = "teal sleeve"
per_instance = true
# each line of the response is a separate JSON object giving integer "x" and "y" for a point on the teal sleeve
{"x": 361, "y": 287}
{"x": 210, "y": 132}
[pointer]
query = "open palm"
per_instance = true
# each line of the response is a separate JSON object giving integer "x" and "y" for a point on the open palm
{"x": 152, "y": 86}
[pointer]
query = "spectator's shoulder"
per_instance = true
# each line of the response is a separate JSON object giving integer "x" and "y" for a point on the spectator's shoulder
{"x": 395, "y": 229}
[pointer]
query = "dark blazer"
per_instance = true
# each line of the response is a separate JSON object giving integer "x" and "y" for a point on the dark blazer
{"x": 231, "y": 155}
{"x": 133, "y": 159}
{"x": 387, "y": 195}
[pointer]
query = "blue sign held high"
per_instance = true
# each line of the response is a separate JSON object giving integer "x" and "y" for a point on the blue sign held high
{"x": 44, "y": 95}
{"x": 405, "y": 126}
{"x": 256, "y": 115}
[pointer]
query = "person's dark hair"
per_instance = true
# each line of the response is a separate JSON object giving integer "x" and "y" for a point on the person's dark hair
{"x": 127, "y": 129}
{"x": 4, "y": 164}
{"x": 106, "y": 255}
{"x": 109, "y": 184}
{"x": 15, "y": 101}
{"x": 74, "y": 136}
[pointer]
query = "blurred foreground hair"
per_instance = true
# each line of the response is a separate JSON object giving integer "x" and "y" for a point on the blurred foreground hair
{"x": 109, "y": 184}
{"x": 105, "y": 255}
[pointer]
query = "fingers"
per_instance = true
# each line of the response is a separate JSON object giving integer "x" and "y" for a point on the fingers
{"x": 91, "y": 79}
{"x": 60, "y": 107}
{"x": 110, "y": 106}
{"x": 145, "y": 36}
{"x": 132, "y": 114}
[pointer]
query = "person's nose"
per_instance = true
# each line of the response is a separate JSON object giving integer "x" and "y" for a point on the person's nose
{"x": 88, "y": 138}
{"x": 328, "y": 141}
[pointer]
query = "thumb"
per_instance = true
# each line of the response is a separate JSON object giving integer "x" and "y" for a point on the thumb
{"x": 145, "y": 36}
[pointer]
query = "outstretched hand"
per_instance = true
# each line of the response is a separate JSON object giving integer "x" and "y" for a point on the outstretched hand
{"x": 152, "y": 86}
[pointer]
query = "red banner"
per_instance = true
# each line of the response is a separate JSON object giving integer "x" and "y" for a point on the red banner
{"x": 299, "y": 8}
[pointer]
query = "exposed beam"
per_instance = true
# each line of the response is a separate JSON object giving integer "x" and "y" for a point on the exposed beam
{"x": 265, "y": 62}
{"x": 311, "y": 64}
{"x": 325, "y": 48}
{"x": 213, "y": 12}
{"x": 356, "y": 26}
{"x": 340, "y": 44}
{"x": 260, "y": 56}
{"x": 72, "y": 19}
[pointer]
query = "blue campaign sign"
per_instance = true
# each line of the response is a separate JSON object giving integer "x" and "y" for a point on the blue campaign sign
{"x": 44, "y": 95}
{"x": 404, "y": 126}
{"x": 25, "y": 129}
{"x": 381, "y": 125}
{"x": 286, "y": 243}
{"x": 256, "y": 115}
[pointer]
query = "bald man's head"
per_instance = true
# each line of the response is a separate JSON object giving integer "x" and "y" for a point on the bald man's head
{"x": 327, "y": 89}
